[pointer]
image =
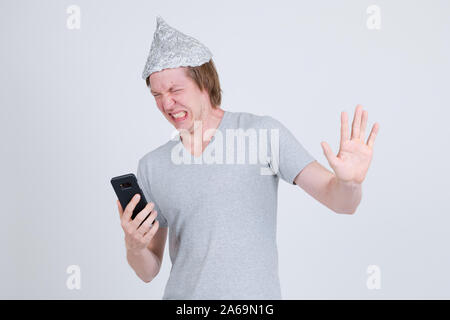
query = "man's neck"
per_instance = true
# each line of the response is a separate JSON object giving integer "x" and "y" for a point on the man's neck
{"x": 203, "y": 130}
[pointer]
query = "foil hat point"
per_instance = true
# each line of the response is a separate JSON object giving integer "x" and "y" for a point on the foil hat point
{"x": 159, "y": 21}
{"x": 171, "y": 48}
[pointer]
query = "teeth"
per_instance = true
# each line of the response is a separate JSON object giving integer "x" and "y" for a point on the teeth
{"x": 179, "y": 114}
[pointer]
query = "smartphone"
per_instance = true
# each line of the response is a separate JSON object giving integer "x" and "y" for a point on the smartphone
{"x": 126, "y": 186}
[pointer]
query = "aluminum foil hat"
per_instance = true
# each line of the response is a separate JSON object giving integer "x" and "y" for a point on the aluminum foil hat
{"x": 172, "y": 49}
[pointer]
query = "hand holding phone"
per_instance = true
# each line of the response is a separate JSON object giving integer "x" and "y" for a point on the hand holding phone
{"x": 137, "y": 224}
{"x": 140, "y": 231}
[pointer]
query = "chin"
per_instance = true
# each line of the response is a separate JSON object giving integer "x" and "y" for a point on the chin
{"x": 185, "y": 125}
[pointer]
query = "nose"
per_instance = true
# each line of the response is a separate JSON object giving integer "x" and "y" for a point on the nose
{"x": 168, "y": 102}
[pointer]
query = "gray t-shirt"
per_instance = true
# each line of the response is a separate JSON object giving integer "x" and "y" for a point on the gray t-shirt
{"x": 222, "y": 214}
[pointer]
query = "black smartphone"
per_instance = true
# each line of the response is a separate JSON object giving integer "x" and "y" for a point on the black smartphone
{"x": 126, "y": 186}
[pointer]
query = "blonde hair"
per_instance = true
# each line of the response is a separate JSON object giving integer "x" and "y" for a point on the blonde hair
{"x": 206, "y": 77}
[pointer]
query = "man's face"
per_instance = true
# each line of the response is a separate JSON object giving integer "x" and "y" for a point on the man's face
{"x": 176, "y": 93}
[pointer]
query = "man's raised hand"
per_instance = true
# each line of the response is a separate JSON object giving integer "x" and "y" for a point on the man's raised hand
{"x": 353, "y": 160}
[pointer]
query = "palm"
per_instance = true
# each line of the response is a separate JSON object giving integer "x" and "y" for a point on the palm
{"x": 353, "y": 159}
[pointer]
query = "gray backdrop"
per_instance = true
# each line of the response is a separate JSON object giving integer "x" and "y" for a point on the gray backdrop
{"x": 75, "y": 112}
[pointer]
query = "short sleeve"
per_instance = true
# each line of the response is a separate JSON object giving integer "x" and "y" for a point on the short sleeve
{"x": 290, "y": 157}
{"x": 143, "y": 182}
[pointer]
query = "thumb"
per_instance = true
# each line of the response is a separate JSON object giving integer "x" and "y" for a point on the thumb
{"x": 328, "y": 153}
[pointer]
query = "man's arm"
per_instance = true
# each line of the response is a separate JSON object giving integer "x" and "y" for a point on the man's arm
{"x": 322, "y": 185}
{"x": 144, "y": 263}
{"x": 147, "y": 262}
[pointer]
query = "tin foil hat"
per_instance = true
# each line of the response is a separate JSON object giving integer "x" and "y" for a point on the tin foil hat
{"x": 172, "y": 49}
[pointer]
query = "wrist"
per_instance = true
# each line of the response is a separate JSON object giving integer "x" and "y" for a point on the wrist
{"x": 136, "y": 252}
{"x": 346, "y": 183}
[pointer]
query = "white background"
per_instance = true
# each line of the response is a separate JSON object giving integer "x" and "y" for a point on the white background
{"x": 75, "y": 112}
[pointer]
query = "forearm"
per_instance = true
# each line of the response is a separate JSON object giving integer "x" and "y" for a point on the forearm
{"x": 145, "y": 263}
{"x": 343, "y": 197}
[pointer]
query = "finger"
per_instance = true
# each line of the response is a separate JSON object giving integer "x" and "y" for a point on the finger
{"x": 149, "y": 235}
{"x": 328, "y": 153}
{"x": 356, "y": 122}
{"x": 365, "y": 116}
{"x": 119, "y": 206}
{"x": 141, "y": 216}
{"x": 147, "y": 224}
{"x": 344, "y": 127}
{"x": 373, "y": 135}
{"x": 130, "y": 207}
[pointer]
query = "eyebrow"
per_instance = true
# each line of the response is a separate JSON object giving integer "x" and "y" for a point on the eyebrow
{"x": 173, "y": 86}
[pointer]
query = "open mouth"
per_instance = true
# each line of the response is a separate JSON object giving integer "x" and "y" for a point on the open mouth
{"x": 180, "y": 116}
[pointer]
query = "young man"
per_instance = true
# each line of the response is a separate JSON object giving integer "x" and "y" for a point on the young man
{"x": 222, "y": 212}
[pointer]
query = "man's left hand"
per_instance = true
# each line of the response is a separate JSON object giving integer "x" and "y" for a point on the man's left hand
{"x": 353, "y": 160}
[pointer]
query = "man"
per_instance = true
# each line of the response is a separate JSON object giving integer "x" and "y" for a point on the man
{"x": 222, "y": 215}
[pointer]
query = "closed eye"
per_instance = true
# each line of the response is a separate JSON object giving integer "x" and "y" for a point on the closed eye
{"x": 177, "y": 90}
